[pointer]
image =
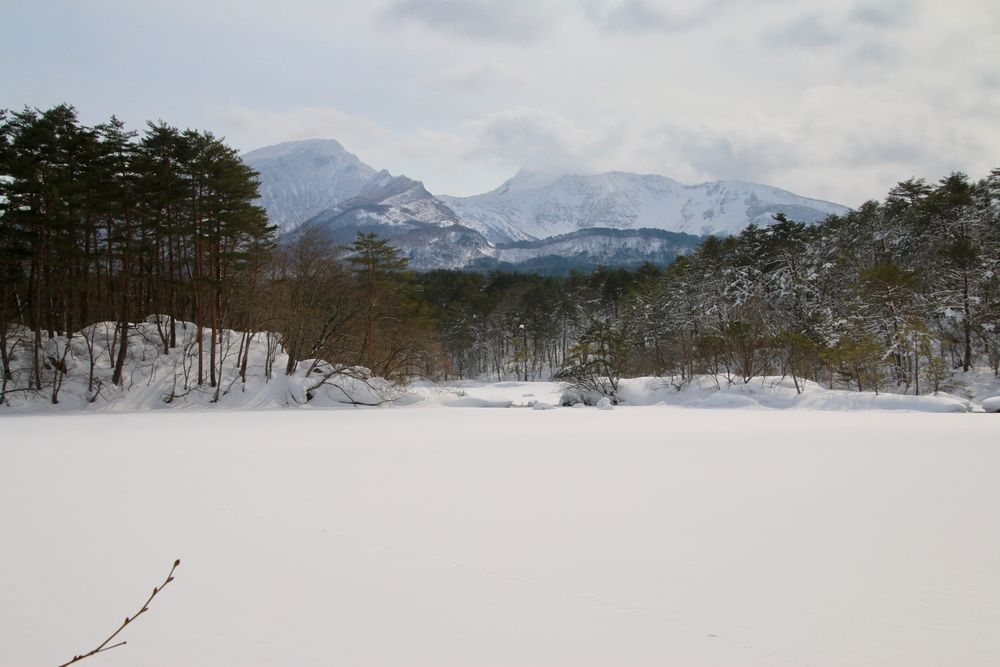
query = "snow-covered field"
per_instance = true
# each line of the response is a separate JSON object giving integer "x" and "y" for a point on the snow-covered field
{"x": 431, "y": 535}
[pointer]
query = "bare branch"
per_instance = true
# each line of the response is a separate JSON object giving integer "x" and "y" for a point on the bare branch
{"x": 106, "y": 645}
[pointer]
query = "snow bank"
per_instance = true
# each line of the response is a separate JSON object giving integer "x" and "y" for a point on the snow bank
{"x": 155, "y": 379}
{"x": 777, "y": 393}
{"x": 771, "y": 393}
{"x": 473, "y": 402}
{"x": 708, "y": 392}
{"x": 473, "y": 394}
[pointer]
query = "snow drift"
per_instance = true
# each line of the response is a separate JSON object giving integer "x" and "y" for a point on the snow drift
{"x": 250, "y": 372}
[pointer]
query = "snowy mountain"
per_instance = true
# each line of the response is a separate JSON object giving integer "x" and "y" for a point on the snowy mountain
{"x": 392, "y": 201}
{"x": 538, "y": 205}
{"x": 402, "y": 210}
{"x": 386, "y": 201}
{"x": 432, "y": 235}
{"x": 298, "y": 179}
{"x": 615, "y": 218}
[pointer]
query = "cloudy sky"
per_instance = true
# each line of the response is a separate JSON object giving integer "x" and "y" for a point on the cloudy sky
{"x": 836, "y": 99}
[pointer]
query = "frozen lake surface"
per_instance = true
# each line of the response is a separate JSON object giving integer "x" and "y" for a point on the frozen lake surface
{"x": 440, "y": 536}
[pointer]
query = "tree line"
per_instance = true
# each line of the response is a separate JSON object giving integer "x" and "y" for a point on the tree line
{"x": 897, "y": 295}
{"x": 101, "y": 224}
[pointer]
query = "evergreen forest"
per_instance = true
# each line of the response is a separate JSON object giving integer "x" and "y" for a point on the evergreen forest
{"x": 103, "y": 224}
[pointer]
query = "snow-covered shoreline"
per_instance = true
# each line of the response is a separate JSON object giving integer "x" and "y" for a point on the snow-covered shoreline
{"x": 708, "y": 392}
{"x": 158, "y": 380}
{"x": 351, "y": 389}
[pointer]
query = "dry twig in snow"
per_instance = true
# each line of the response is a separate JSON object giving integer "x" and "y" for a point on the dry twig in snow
{"x": 106, "y": 645}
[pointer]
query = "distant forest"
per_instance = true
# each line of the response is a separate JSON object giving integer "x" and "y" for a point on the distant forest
{"x": 104, "y": 224}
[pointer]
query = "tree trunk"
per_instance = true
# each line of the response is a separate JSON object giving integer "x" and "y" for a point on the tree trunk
{"x": 966, "y": 323}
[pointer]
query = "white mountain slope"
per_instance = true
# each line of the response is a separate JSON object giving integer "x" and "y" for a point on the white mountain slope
{"x": 388, "y": 201}
{"x": 401, "y": 210}
{"x": 534, "y": 205}
{"x": 611, "y": 218}
{"x": 299, "y": 179}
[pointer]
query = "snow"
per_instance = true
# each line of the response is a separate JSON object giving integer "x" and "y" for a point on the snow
{"x": 708, "y": 392}
{"x": 157, "y": 380}
{"x": 511, "y": 393}
{"x": 153, "y": 379}
{"x": 779, "y": 394}
{"x": 302, "y": 178}
{"x": 437, "y": 536}
{"x": 537, "y": 205}
{"x": 472, "y": 402}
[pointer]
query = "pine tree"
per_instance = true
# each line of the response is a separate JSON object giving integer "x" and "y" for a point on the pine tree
{"x": 377, "y": 266}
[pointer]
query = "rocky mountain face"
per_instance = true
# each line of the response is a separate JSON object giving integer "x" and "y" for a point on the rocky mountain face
{"x": 534, "y": 221}
{"x": 388, "y": 201}
{"x": 299, "y": 179}
{"x": 403, "y": 211}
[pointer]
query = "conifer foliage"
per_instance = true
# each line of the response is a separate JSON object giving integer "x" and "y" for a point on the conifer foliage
{"x": 884, "y": 297}
{"x": 101, "y": 224}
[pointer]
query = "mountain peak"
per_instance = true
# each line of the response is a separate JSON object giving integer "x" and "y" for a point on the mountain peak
{"x": 319, "y": 181}
{"x": 301, "y": 178}
{"x": 539, "y": 204}
{"x": 528, "y": 178}
{"x": 299, "y": 146}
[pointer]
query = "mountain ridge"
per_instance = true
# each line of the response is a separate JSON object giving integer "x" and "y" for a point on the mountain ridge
{"x": 298, "y": 179}
{"x": 319, "y": 183}
{"x": 527, "y": 206}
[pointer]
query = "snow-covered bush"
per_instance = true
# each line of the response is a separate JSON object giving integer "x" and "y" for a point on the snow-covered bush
{"x": 594, "y": 367}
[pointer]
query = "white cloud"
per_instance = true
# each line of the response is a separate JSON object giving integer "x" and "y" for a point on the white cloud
{"x": 251, "y": 128}
{"x": 834, "y": 100}
{"x": 651, "y": 15}
{"x": 537, "y": 138}
{"x": 883, "y": 14}
{"x": 476, "y": 19}
{"x": 472, "y": 77}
